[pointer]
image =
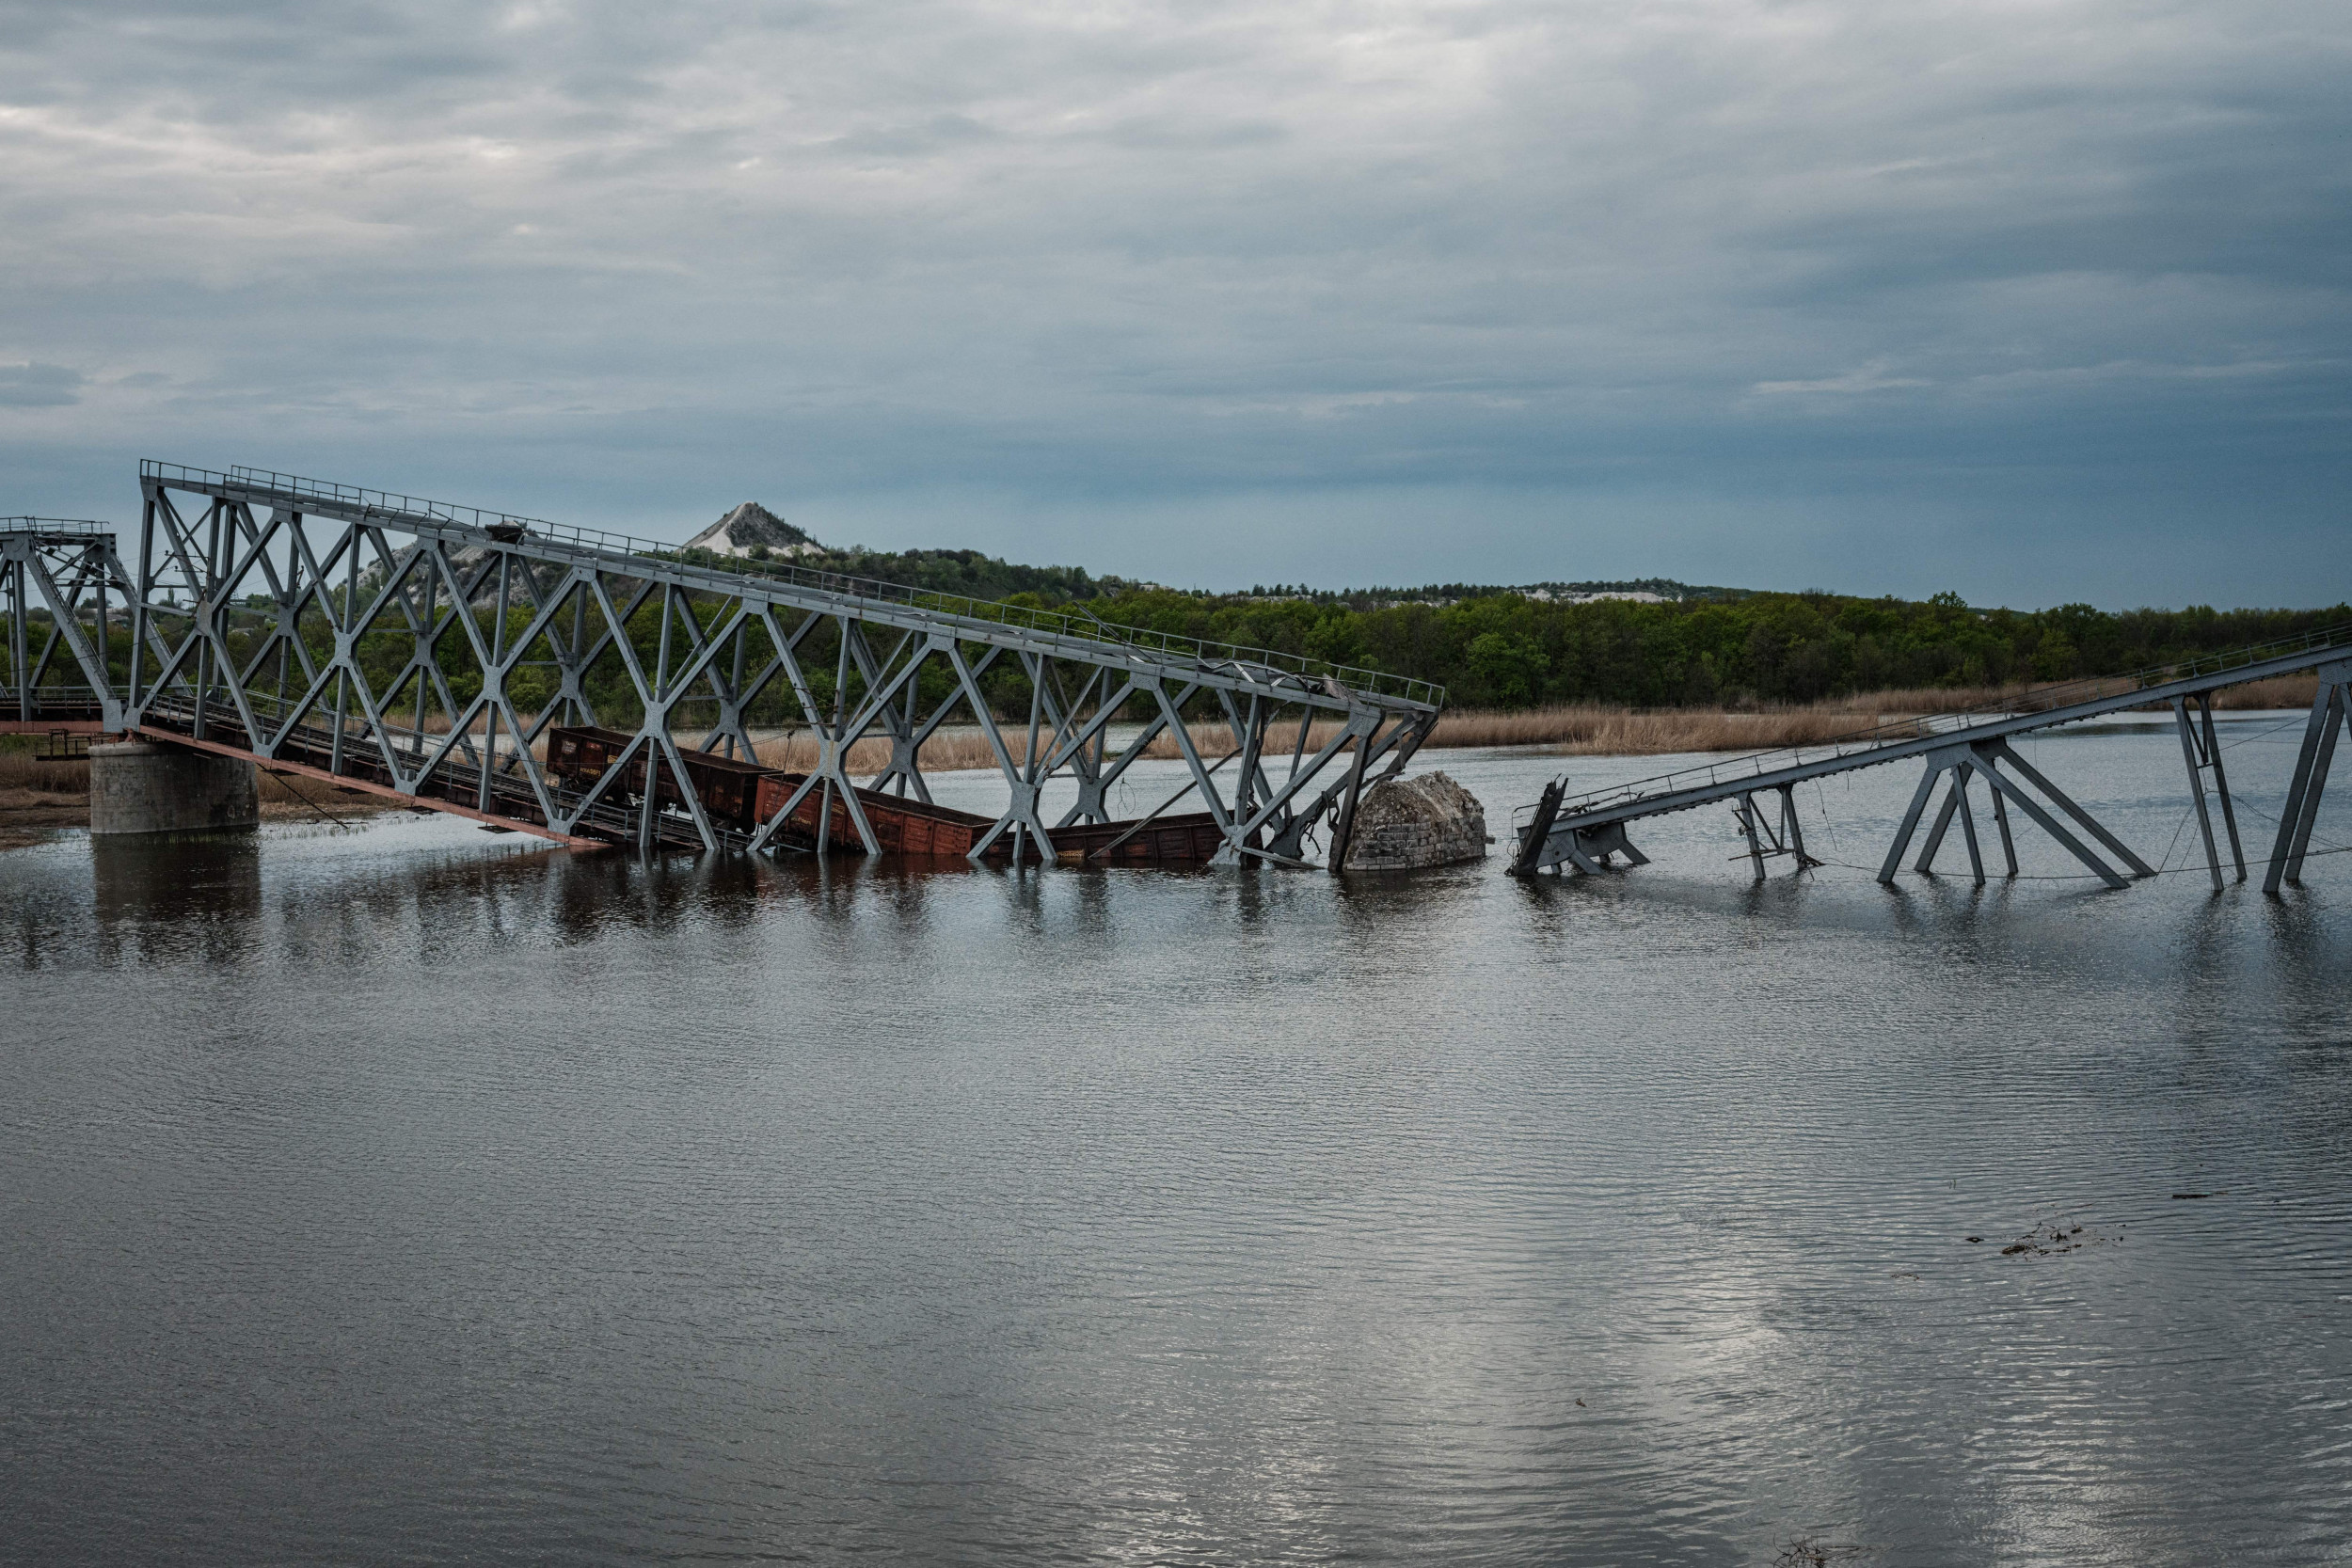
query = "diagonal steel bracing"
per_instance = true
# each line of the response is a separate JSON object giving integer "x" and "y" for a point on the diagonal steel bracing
{"x": 1559, "y": 831}
{"x": 64, "y": 593}
{"x": 425, "y": 651}
{"x": 2332, "y": 709}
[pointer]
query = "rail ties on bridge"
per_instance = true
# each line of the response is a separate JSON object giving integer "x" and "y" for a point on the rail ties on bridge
{"x": 1584, "y": 833}
{"x": 427, "y": 651}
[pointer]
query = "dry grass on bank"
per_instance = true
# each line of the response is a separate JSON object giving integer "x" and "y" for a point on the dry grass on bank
{"x": 39, "y": 797}
{"x": 2286, "y": 691}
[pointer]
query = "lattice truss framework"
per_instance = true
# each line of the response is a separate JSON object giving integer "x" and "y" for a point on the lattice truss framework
{"x": 262, "y": 602}
{"x": 63, "y": 593}
{"x": 1582, "y": 834}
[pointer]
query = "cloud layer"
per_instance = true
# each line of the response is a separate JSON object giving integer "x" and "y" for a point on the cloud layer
{"x": 2041, "y": 300}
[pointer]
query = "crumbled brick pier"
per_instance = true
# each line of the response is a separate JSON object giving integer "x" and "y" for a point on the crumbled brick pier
{"x": 1403, "y": 824}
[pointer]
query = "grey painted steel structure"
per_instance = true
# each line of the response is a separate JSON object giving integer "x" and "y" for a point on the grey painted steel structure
{"x": 1582, "y": 832}
{"x": 61, "y": 585}
{"x": 297, "y": 573}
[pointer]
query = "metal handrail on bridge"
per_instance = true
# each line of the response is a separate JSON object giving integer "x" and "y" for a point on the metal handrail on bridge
{"x": 1090, "y": 628}
{"x": 1974, "y": 745}
{"x": 2044, "y": 699}
{"x": 78, "y": 528}
{"x": 1082, "y": 672}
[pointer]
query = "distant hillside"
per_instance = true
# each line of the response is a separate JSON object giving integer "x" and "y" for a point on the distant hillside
{"x": 1650, "y": 642}
{"x": 751, "y": 534}
{"x": 1638, "y": 591}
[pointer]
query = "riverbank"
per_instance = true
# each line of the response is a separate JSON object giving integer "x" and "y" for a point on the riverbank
{"x": 40, "y": 799}
{"x": 1580, "y": 729}
{"x": 37, "y": 797}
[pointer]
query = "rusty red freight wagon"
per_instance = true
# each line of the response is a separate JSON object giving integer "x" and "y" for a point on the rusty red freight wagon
{"x": 729, "y": 788}
{"x": 742, "y": 796}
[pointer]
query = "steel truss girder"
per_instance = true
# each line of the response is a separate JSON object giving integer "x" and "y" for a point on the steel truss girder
{"x": 1986, "y": 759}
{"x": 1633, "y": 803}
{"x": 1559, "y": 833}
{"x": 252, "y": 605}
{"x": 67, "y": 570}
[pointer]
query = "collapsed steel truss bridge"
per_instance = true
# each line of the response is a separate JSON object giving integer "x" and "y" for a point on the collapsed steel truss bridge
{"x": 328, "y": 631}
{"x": 1582, "y": 833}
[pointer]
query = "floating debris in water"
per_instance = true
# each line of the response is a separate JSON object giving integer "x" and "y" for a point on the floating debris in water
{"x": 2051, "y": 1237}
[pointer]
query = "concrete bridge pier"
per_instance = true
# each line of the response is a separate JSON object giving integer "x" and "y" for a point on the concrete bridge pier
{"x": 145, "y": 786}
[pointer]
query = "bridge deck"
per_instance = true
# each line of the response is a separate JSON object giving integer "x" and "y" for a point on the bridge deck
{"x": 328, "y": 629}
{"x": 1582, "y": 830}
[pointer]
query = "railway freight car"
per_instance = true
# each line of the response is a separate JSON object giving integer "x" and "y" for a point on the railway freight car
{"x": 905, "y": 827}
{"x": 729, "y": 788}
{"x": 739, "y": 797}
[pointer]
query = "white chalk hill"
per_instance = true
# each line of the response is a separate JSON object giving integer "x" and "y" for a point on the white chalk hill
{"x": 749, "y": 525}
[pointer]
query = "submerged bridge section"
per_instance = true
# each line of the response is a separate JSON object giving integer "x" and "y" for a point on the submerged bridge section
{"x": 426, "y": 651}
{"x": 1583, "y": 832}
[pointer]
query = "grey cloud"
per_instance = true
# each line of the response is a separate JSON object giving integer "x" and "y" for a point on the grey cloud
{"x": 39, "y": 386}
{"x": 1630, "y": 259}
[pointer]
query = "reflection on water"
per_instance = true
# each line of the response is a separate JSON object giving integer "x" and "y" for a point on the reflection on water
{"x": 412, "y": 1194}
{"x": 203, "y": 886}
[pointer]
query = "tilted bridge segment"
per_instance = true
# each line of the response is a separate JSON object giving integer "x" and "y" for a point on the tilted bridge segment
{"x": 1583, "y": 833}
{"x": 427, "y": 651}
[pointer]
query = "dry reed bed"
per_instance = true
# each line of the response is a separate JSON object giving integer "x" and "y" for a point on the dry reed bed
{"x": 32, "y": 783}
{"x": 1583, "y": 729}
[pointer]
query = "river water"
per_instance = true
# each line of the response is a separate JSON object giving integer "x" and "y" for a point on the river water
{"x": 414, "y": 1195}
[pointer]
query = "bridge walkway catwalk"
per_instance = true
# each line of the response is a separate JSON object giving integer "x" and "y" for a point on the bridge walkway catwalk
{"x": 1583, "y": 832}
{"x": 428, "y": 651}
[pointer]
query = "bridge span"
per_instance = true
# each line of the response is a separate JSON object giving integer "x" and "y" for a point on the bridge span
{"x": 426, "y": 651}
{"x": 1584, "y": 833}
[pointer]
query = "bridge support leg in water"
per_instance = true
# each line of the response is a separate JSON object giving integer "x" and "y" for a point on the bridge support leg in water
{"x": 143, "y": 787}
{"x": 1955, "y": 803}
{"x": 1788, "y": 838}
{"x": 2203, "y": 754}
{"x": 2331, "y": 711}
{"x": 1983, "y": 757}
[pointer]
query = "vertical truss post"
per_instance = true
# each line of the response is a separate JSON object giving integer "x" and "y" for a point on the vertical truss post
{"x": 142, "y": 590}
{"x": 17, "y": 650}
{"x": 2221, "y": 783}
{"x": 2311, "y": 780}
{"x": 1794, "y": 829}
{"x": 2197, "y": 787}
{"x": 493, "y": 684}
{"x": 1744, "y": 807}
{"x": 1033, "y": 759}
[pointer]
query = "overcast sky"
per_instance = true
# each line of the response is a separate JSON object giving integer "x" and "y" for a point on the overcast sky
{"x": 2035, "y": 301}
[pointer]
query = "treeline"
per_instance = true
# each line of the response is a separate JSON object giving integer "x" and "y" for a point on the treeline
{"x": 1490, "y": 650}
{"x": 1705, "y": 646}
{"x": 1506, "y": 651}
{"x": 967, "y": 572}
